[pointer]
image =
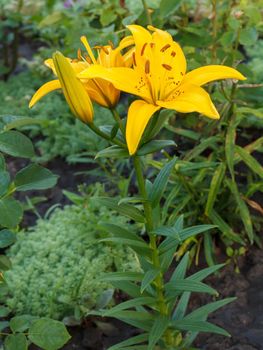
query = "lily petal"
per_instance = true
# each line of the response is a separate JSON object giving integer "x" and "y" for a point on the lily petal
{"x": 139, "y": 115}
{"x": 125, "y": 79}
{"x": 192, "y": 99}
{"x": 44, "y": 90}
{"x": 140, "y": 35}
{"x": 206, "y": 74}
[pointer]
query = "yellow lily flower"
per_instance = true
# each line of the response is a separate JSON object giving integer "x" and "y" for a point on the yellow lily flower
{"x": 100, "y": 91}
{"x": 159, "y": 77}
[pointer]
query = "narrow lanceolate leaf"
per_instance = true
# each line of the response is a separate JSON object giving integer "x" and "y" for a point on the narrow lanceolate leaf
{"x": 122, "y": 276}
{"x": 16, "y": 144}
{"x": 253, "y": 146}
{"x": 215, "y": 187}
{"x": 224, "y": 227}
{"x": 112, "y": 152}
{"x": 159, "y": 327}
{"x": 199, "y": 326}
{"x": 203, "y": 311}
{"x": 250, "y": 161}
{"x": 134, "y": 315}
{"x": 183, "y": 234}
{"x": 230, "y": 146}
{"x": 160, "y": 183}
{"x": 114, "y": 311}
{"x": 181, "y": 307}
{"x": 129, "y": 342}
{"x": 201, "y": 275}
{"x": 124, "y": 209}
{"x": 130, "y": 288}
{"x": 180, "y": 271}
{"x": 210, "y": 142}
{"x": 148, "y": 278}
{"x": 187, "y": 285}
{"x": 243, "y": 209}
{"x": 154, "y": 146}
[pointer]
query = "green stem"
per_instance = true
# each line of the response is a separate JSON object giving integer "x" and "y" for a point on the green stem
{"x": 147, "y": 12}
{"x": 118, "y": 120}
{"x": 159, "y": 282}
{"x": 102, "y": 134}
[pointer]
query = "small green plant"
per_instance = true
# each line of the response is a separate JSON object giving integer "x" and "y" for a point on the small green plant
{"x": 55, "y": 265}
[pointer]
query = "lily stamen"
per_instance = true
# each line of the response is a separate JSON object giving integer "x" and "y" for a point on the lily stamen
{"x": 147, "y": 67}
{"x": 143, "y": 49}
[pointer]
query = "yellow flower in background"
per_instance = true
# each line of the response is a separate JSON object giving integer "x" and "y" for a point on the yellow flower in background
{"x": 159, "y": 77}
{"x": 100, "y": 91}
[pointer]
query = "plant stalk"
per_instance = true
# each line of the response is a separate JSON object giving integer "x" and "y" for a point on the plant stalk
{"x": 159, "y": 282}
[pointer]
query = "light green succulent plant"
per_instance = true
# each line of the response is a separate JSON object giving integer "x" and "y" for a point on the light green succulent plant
{"x": 56, "y": 264}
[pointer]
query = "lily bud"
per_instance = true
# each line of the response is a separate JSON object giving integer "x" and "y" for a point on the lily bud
{"x": 74, "y": 91}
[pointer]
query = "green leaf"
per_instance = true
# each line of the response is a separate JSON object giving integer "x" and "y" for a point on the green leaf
{"x": 2, "y": 162}
{"x": 188, "y": 285}
{"x": 203, "y": 311}
{"x": 113, "y": 152}
{"x": 121, "y": 276}
{"x": 124, "y": 209}
{"x": 5, "y": 263}
{"x": 34, "y": 177}
{"x": 201, "y": 275}
{"x": 148, "y": 278}
{"x": 250, "y": 161}
{"x": 16, "y": 342}
{"x": 184, "y": 132}
{"x": 224, "y": 227}
{"x": 230, "y": 146}
{"x": 198, "y": 326}
{"x": 248, "y": 36}
{"x": 181, "y": 306}
{"x": 22, "y": 121}
{"x": 6, "y": 238}
{"x": 208, "y": 248}
{"x": 131, "y": 341}
{"x": 48, "y": 334}
{"x": 181, "y": 236}
{"x": 21, "y": 323}
{"x": 160, "y": 183}
{"x": 134, "y": 315}
{"x": 128, "y": 287}
{"x": 168, "y": 7}
{"x": 215, "y": 187}
{"x": 4, "y": 181}
{"x": 210, "y": 142}
{"x": 4, "y": 311}
{"x": 154, "y": 146}
{"x": 129, "y": 304}
{"x": 10, "y": 212}
{"x": 16, "y": 144}
{"x": 180, "y": 271}
{"x": 159, "y": 327}
{"x": 243, "y": 209}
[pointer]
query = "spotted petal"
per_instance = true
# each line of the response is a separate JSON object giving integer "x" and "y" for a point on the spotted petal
{"x": 125, "y": 79}
{"x": 206, "y": 74}
{"x": 139, "y": 114}
{"x": 192, "y": 99}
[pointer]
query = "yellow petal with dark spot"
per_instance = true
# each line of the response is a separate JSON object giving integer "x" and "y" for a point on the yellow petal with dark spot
{"x": 193, "y": 99}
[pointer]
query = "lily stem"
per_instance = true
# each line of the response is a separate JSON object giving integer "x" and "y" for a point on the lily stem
{"x": 102, "y": 134}
{"x": 118, "y": 120}
{"x": 159, "y": 282}
{"x": 147, "y": 12}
